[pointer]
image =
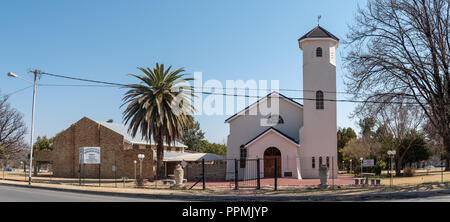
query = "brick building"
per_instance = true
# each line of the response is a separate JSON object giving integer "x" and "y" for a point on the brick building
{"x": 117, "y": 146}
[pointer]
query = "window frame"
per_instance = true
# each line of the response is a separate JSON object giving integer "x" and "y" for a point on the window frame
{"x": 319, "y": 100}
{"x": 319, "y": 52}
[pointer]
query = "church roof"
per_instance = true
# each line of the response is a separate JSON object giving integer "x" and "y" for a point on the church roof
{"x": 260, "y": 100}
{"x": 271, "y": 129}
{"x": 123, "y": 130}
{"x": 318, "y": 32}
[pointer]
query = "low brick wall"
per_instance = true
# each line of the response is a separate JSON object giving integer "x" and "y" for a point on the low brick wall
{"x": 215, "y": 171}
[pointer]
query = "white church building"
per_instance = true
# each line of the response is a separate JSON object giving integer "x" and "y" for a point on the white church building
{"x": 300, "y": 137}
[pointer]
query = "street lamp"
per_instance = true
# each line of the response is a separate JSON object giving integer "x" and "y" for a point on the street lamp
{"x": 140, "y": 157}
{"x": 135, "y": 162}
{"x": 361, "y": 160}
{"x": 24, "y": 170}
{"x": 36, "y": 73}
{"x": 391, "y": 154}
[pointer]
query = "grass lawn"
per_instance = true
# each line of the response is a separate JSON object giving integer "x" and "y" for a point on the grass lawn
{"x": 422, "y": 176}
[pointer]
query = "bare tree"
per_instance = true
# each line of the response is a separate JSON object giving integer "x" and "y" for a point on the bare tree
{"x": 399, "y": 50}
{"x": 400, "y": 123}
{"x": 12, "y": 129}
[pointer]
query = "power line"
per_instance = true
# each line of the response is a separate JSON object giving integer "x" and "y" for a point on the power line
{"x": 80, "y": 79}
{"x": 17, "y": 91}
{"x": 329, "y": 100}
{"x": 71, "y": 85}
{"x": 193, "y": 90}
{"x": 193, "y": 87}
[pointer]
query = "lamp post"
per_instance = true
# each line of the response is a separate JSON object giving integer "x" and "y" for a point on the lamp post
{"x": 135, "y": 162}
{"x": 140, "y": 157}
{"x": 24, "y": 171}
{"x": 391, "y": 154}
{"x": 36, "y": 73}
{"x": 361, "y": 160}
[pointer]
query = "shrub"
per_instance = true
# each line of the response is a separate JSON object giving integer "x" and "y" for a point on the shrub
{"x": 409, "y": 172}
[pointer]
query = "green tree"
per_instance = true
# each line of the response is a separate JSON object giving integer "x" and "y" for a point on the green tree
{"x": 367, "y": 124}
{"x": 344, "y": 135}
{"x": 207, "y": 147}
{"x": 159, "y": 107}
{"x": 193, "y": 137}
{"x": 418, "y": 150}
{"x": 43, "y": 144}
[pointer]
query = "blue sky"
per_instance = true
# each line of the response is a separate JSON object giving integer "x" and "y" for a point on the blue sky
{"x": 105, "y": 40}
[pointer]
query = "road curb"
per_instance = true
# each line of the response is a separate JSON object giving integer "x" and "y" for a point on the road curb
{"x": 332, "y": 197}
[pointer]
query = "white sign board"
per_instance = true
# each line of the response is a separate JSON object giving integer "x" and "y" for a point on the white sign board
{"x": 368, "y": 163}
{"x": 89, "y": 155}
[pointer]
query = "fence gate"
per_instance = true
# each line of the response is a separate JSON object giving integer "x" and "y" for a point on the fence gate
{"x": 247, "y": 173}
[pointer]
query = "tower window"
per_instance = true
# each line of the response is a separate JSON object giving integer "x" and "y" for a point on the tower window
{"x": 313, "y": 162}
{"x": 319, "y": 100}
{"x": 320, "y": 161}
{"x": 328, "y": 162}
{"x": 319, "y": 52}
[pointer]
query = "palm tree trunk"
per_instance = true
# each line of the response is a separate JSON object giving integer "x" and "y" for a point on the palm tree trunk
{"x": 159, "y": 157}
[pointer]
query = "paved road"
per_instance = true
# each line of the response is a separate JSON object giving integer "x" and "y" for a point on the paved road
{"x": 443, "y": 198}
{"x": 23, "y": 194}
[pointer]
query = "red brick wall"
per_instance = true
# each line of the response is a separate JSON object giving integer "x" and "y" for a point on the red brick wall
{"x": 87, "y": 132}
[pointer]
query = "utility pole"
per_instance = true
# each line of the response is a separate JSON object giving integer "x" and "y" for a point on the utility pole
{"x": 36, "y": 72}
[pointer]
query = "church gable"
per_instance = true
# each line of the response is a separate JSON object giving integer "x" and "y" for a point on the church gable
{"x": 274, "y": 131}
{"x": 250, "y": 109}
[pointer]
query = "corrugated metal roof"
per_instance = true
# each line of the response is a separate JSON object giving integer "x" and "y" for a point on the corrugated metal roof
{"x": 123, "y": 130}
{"x": 175, "y": 156}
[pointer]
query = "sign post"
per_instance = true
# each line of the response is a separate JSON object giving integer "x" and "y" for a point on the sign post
{"x": 90, "y": 155}
{"x": 368, "y": 163}
{"x": 114, "y": 169}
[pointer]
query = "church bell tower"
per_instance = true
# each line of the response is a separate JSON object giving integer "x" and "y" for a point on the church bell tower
{"x": 318, "y": 139}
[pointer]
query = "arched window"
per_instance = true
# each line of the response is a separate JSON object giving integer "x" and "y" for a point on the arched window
{"x": 320, "y": 161}
{"x": 319, "y": 100}
{"x": 319, "y": 52}
{"x": 328, "y": 162}
{"x": 243, "y": 155}
{"x": 313, "y": 162}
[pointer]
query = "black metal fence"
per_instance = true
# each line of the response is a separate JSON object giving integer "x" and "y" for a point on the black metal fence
{"x": 240, "y": 173}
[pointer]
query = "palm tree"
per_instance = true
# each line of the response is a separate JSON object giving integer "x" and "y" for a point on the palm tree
{"x": 159, "y": 108}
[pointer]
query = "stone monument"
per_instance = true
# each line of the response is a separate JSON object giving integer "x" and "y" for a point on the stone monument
{"x": 179, "y": 174}
{"x": 323, "y": 174}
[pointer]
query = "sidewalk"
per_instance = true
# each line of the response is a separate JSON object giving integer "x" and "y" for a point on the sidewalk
{"x": 307, "y": 194}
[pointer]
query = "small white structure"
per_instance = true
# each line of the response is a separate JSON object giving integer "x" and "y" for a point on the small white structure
{"x": 300, "y": 137}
